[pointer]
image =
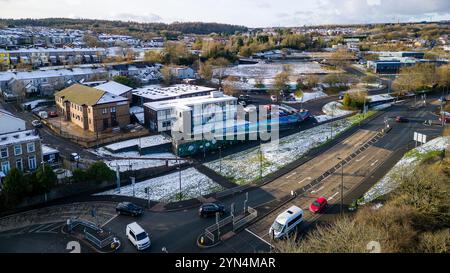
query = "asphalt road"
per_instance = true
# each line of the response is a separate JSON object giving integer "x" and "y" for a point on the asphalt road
{"x": 178, "y": 231}
{"x": 64, "y": 146}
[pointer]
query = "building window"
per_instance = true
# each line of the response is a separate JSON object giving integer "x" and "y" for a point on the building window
{"x": 32, "y": 163}
{"x": 3, "y": 152}
{"x": 105, "y": 111}
{"x": 113, "y": 109}
{"x": 19, "y": 164}
{"x": 18, "y": 150}
{"x": 5, "y": 167}
{"x": 30, "y": 147}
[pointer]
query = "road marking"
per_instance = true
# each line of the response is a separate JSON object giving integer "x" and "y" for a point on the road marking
{"x": 291, "y": 175}
{"x": 259, "y": 237}
{"x": 333, "y": 196}
{"x": 112, "y": 218}
{"x": 308, "y": 178}
{"x": 358, "y": 160}
{"x": 314, "y": 191}
{"x": 375, "y": 162}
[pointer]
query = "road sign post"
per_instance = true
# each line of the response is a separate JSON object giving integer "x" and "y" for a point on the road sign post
{"x": 133, "y": 180}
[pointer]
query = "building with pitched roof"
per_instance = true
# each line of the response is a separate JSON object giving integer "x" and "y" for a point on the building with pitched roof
{"x": 92, "y": 109}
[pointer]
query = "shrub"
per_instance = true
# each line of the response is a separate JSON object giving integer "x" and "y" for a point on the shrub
{"x": 100, "y": 172}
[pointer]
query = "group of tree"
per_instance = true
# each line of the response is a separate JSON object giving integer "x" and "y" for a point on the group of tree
{"x": 355, "y": 100}
{"x": 96, "y": 173}
{"x": 423, "y": 76}
{"x": 17, "y": 185}
{"x": 128, "y": 81}
{"x": 127, "y": 28}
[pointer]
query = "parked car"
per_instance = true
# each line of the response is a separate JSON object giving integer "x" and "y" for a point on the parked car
{"x": 43, "y": 114}
{"x": 75, "y": 157}
{"x": 243, "y": 103}
{"x": 273, "y": 98}
{"x": 286, "y": 222}
{"x": 36, "y": 124}
{"x": 442, "y": 99}
{"x": 245, "y": 98}
{"x": 52, "y": 114}
{"x": 138, "y": 236}
{"x": 129, "y": 209}
{"x": 319, "y": 205}
{"x": 210, "y": 209}
{"x": 401, "y": 119}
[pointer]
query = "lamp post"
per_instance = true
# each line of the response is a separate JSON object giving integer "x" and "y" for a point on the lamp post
{"x": 342, "y": 185}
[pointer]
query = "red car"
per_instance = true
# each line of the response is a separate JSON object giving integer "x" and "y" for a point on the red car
{"x": 318, "y": 205}
{"x": 52, "y": 114}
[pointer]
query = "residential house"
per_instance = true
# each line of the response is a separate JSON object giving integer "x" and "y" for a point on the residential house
{"x": 10, "y": 123}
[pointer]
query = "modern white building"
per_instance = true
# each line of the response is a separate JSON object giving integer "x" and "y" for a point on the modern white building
{"x": 152, "y": 93}
{"x": 215, "y": 111}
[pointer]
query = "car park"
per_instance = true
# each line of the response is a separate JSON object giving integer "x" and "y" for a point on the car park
{"x": 318, "y": 205}
{"x": 128, "y": 208}
{"x": 210, "y": 209}
{"x": 286, "y": 223}
{"x": 36, "y": 124}
{"x": 138, "y": 237}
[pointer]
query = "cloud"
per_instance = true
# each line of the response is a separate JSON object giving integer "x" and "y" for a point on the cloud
{"x": 368, "y": 11}
{"x": 144, "y": 18}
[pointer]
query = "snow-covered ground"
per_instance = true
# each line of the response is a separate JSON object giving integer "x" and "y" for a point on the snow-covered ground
{"x": 380, "y": 97}
{"x": 166, "y": 188}
{"x": 244, "y": 167}
{"x": 404, "y": 166}
{"x": 136, "y": 164}
{"x": 332, "y": 110}
{"x": 308, "y": 96}
{"x": 143, "y": 142}
{"x": 270, "y": 70}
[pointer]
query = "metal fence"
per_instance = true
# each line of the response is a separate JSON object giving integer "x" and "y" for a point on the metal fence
{"x": 253, "y": 213}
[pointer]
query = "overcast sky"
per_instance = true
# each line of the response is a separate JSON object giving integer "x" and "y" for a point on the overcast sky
{"x": 251, "y": 13}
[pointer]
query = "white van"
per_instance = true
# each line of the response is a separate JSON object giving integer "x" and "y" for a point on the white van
{"x": 286, "y": 222}
{"x": 137, "y": 236}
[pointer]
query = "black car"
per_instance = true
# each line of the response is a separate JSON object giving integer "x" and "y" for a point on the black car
{"x": 245, "y": 98}
{"x": 401, "y": 119}
{"x": 207, "y": 210}
{"x": 129, "y": 209}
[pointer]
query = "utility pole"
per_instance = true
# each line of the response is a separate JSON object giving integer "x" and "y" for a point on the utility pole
{"x": 260, "y": 159}
{"x": 220, "y": 159}
{"x": 342, "y": 186}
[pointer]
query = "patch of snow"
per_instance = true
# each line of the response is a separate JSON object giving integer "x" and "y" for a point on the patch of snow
{"x": 308, "y": 96}
{"x": 166, "y": 188}
{"x": 244, "y": 167}
{"x": 382, "y": 106}
{"x": 334, "y": 109}
{"x": 136, "y": 164}
{"x": 403, "y": 167}
{"x": 143, "y": 142}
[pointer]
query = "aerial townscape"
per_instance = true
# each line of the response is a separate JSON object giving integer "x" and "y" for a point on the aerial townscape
{"x": 121, "y": 135}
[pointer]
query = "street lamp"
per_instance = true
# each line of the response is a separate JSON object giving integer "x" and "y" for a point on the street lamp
{"x": 342, "y": 185}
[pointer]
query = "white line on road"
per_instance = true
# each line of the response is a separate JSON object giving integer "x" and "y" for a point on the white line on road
{"x": 259, "y": 237}
{"x": 358, "y": 160}
{"x": 375, "y": 162}
{"x": 112, "y": 218}
{"x": 308, "y": 178}
{"x": 314, "y": 191}
{"x": 291, "y": 175}
{"x": 333, "y": 196}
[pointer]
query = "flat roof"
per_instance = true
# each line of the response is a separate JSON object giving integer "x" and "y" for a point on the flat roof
{"x": 158, "y": 92}
{"x": 114, "y": 88}
{"x": 186, "y": 102}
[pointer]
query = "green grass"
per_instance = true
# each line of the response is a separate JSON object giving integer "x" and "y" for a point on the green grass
{"x": 356, "y": 119}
